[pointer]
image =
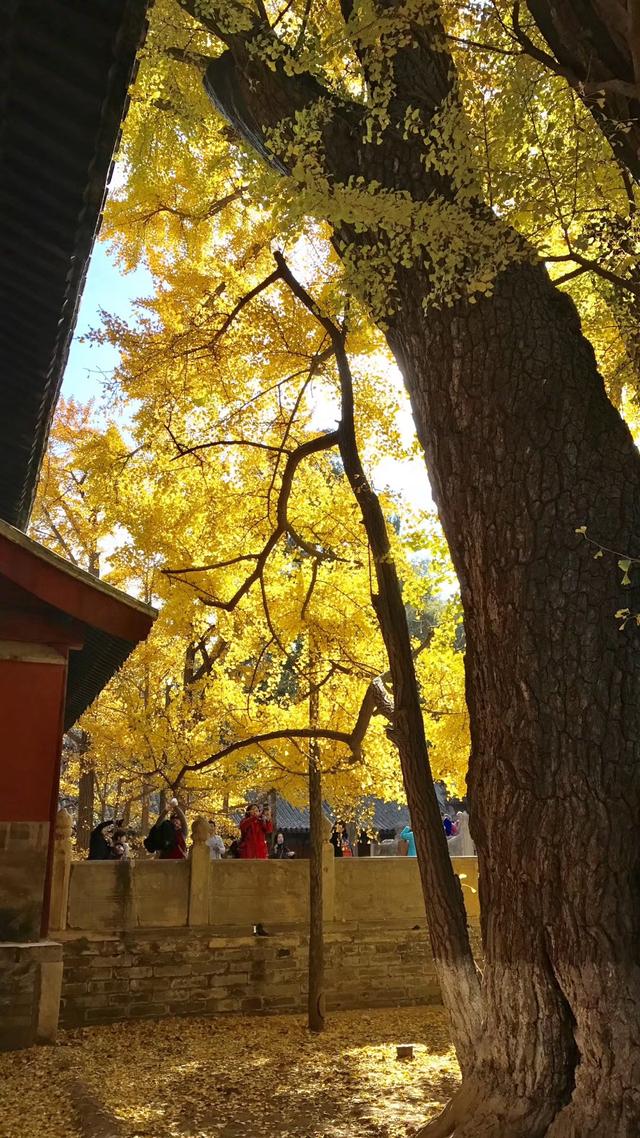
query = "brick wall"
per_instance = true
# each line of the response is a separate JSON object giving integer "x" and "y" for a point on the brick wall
{"x": 195, "y": 972}
{"x": 152, "y": 939}
{"x": 18, "y": 993}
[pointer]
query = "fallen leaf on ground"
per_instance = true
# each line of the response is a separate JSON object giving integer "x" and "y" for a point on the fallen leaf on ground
{"x": 228, "y": 1077}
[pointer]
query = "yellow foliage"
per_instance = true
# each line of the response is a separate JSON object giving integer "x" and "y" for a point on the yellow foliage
{"x": 190, "y": 499}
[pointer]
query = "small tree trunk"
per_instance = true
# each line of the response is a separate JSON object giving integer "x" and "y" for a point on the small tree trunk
{"x": 273, "y": 807}
{"x": 144, "y": 809}
{"x": 441, "y": 889}
{"x": 316, "y": 1001}
{"x": 444, "y": 904}
{"x": 86, "y": 796}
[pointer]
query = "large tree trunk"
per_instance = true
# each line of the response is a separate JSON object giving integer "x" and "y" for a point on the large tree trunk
{"x": 523, "y": 447}
{"x": 596, "y": 47}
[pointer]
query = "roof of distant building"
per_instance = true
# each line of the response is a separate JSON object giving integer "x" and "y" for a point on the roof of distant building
{"x": 375, "y": 812}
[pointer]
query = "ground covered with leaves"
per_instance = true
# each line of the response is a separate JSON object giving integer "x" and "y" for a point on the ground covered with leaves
{"x": 232, "y": 1077}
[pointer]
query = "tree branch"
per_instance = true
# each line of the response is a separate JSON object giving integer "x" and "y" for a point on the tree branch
{"x": 531, "y": 49}
{"x": 266, "y": 737}
{"x": 316, "y": 362}
{"x": 183, "y": 570}
{"x": 311, "y": 446}
{"x": 590, "y": 266}
{"x": 66, "y": 548}
{"x": 244, "y": 300}
{"x": 183, "y": 450}
{"x": 312, "y": 585}
{"x": 488, "y": 47}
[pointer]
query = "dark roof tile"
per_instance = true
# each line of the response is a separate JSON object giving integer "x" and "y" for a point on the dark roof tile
{"x": 65, "y": 69}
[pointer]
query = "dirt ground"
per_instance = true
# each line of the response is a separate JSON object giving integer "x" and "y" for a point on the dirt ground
{"x": 232, "y": 1077}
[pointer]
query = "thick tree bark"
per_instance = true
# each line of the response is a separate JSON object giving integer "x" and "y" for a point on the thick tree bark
{"x": 523, "y": 447}
{"x": 595, "y": 45}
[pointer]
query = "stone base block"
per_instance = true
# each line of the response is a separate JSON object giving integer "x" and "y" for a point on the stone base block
{"x": 30, "y": 986}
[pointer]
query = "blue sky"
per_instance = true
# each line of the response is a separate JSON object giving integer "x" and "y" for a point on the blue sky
{"x": 109, "y": 288}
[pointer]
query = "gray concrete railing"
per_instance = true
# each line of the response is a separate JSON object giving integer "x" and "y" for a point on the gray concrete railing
{"x": 95, "y": 896}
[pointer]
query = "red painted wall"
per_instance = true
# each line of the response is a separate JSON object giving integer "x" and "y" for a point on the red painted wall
{"x": 31, "y": 700}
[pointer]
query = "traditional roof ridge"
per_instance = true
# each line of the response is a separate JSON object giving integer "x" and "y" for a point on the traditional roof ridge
{"x": 111, "y": 622}
{"x": 34, "y": 548}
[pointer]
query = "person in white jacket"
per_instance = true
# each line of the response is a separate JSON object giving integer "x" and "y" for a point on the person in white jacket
{"x": 215, "y": 843}
{"x": 462, "y": 844}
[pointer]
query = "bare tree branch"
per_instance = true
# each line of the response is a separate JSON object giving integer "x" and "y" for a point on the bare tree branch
{"x": 587, "y": 265}
{"x": 183, "y": 450}
{"x": 316, "y": 362}
{"x": 183, "y": 570}
{"x": 312, "y": 585}
{"x": 266, "y": 737}
{"x": 244, "y": 300}
{"x": 492, "y": 48}
{"x": 311, "y": 446}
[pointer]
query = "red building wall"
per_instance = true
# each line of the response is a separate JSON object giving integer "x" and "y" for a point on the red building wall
{"x": 31, "y": 700}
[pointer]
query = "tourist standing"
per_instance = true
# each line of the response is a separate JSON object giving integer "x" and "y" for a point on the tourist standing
{"x": 100, "y": 840}
{"x": 254, "y": 828}
{"x": 280, "y": 849}
{"x": 168, "y": 836}
{"x": 406, "y": 835}
{"x": 340, "y": 840}
{"x": 214, "y": 842}
{"x": 466, "y": 847}
{"x": 120, "y": 839}
{"x": 364, "y": 844}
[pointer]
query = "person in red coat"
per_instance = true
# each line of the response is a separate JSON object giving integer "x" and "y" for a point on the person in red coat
{"x": 254, "y": 828}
